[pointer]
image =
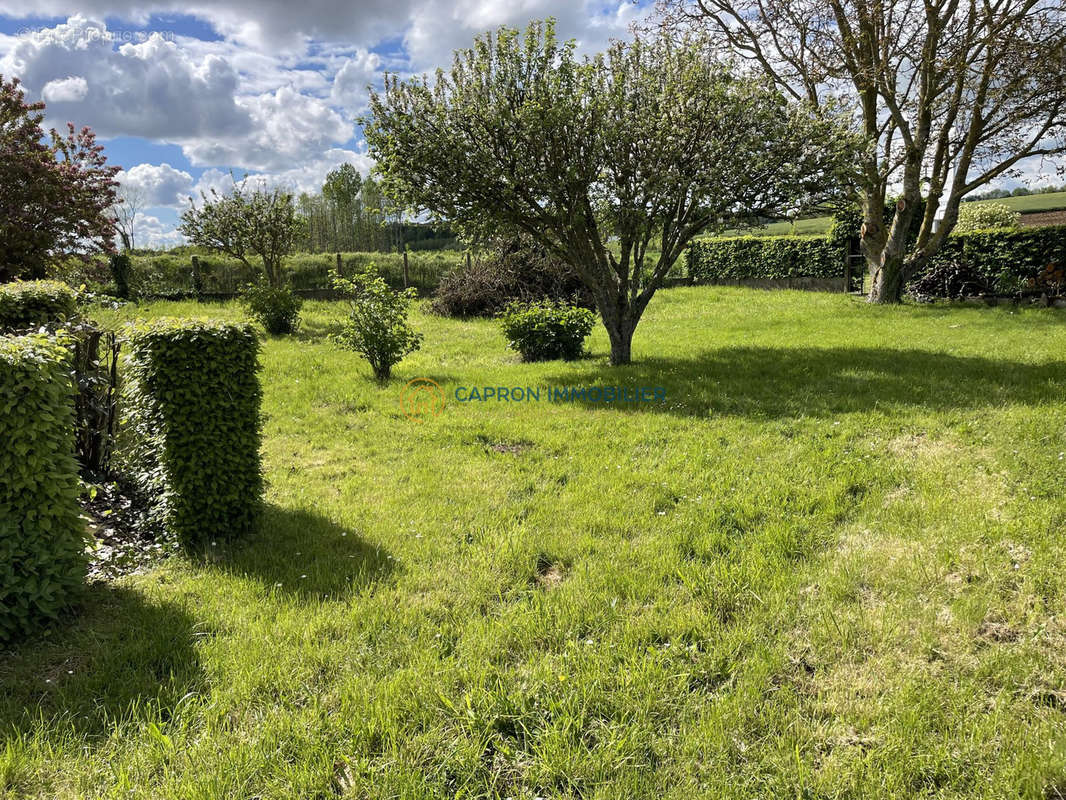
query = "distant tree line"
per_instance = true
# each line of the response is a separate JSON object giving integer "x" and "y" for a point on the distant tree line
{"x": 1020, "y": 191}
{"x": 352, "y": 214}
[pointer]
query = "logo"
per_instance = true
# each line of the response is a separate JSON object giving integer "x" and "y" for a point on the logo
{"x": 422, "y": 398}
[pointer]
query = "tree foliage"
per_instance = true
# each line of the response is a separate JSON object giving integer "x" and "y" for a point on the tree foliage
{"x": 55, "y": 190}
{"x": 244, "y": 223}
{"x": 596, "y": 159}
{"x": 982, "y": 216}
{"x": 377, "y": 326}
{"x": 949, "y": 94}
{"x": 349, "y": 214}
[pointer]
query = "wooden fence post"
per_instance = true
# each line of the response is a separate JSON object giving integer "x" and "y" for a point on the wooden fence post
{"x": 406, "y": 281}
{"x": 338, "y": 263}
{"x": 197, "y": 277}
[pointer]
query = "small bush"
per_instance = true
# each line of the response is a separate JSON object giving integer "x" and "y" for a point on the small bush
{"x": 277, "y": 310}
{"x": 547, "y": 330}
{"x": 42, "y": 539}
{"x": 120, "y": 274}
{"x": 94, "y": 274}
{"x": 478, "y": 290}
{"x": 192, "y": 398}
{"x": 25, "y": 305}
{"x": 986, "y": 216}
{"x": 377, "y": 326}
{"x": 510, "y": 270}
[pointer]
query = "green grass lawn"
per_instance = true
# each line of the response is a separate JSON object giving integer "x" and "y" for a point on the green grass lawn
{"x": 814, "y": 225}
{"x": 830, "y": 564}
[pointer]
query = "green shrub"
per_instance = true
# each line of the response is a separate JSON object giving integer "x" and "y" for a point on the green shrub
{"x": 765, "y": 257}
{"x": 42, "y": 539}
{"x": 172, "y": 274}
{"x": 986, "y": 216}
{"x": 192, "y": 400}
{"x": 120, "y": 274}
{"x": 1007, "y": 261}
{"x": 277, "y": 310}
{"x": 94, "y": 274}
{"x": 377, "y": 326}
{"x": 25, "y": 305}
{"x": 547, "y": 330}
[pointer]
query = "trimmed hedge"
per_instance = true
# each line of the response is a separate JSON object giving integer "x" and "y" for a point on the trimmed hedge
{"x": 42, "y": 538}
{"x": 1006, "y": 260}
{"x": 192, "y": 401}
{"x": 25, "y": 305}
{"x": 764, "y": 257}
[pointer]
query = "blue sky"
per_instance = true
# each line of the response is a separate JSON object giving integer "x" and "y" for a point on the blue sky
{"x": 185, "y": 94}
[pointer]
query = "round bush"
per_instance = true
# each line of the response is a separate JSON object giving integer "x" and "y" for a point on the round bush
{"x": 986, "y": 216}
{"x": 277, "y": 310}
{"x": 547, "y": 330}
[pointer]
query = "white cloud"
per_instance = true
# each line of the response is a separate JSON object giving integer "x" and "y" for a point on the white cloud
{"x": 153, "y": 89}
{"x": 276, "y": 95}
{"x": 258, "y": 72}
{"x": 307, "y": 177}
{"x": 163, "y": 91}
{"x": 152, "y": 232}
{"x": 432, "y": 27}
{"x": 351, "y": 81}
{"x": 287, "y": 129}
{"x": 437, "y": 29}
{"x": 160, "y": 185}
{"x": 66, "y": 90}
{"x": 266, "y": 25}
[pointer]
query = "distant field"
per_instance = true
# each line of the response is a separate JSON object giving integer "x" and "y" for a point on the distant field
{"x": 1024, "y": 205}
{"x": 1034, "y": 202}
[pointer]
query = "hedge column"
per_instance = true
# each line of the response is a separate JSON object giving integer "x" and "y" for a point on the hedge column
{"x": 193, "y": 399}
{"x": 42, "y": 538}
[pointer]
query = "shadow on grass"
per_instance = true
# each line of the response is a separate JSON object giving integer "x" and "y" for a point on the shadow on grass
{"x": 120, "y": 655}
{"x": 303, "y": 553}
{"x": 768, "y": 382}
{"x": 315, "y": 330}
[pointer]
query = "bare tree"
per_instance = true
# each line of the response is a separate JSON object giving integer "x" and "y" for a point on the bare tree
{"x": 950, "y": 94}
{"x": 129, "y": 202}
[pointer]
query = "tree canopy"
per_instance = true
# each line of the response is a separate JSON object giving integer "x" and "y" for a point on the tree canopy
{"x": 601, "y": 160}
{"x": 55, "y": 190}
{"x": 246, "y": 222}
{"x": 949, "y": 95}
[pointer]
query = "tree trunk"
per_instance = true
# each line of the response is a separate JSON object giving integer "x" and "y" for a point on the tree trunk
{"x": 621, "y": 335}
{"x": 888, "y": 282}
